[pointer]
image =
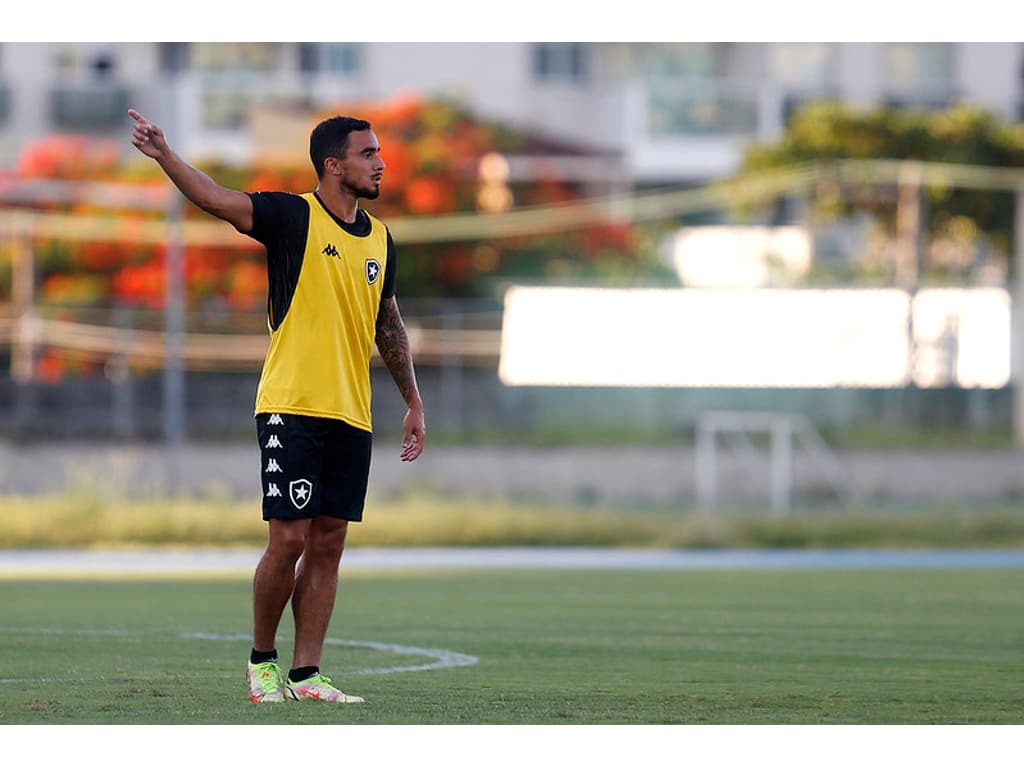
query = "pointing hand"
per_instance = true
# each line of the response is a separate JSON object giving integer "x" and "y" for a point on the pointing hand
{"x": 148, "y": 138}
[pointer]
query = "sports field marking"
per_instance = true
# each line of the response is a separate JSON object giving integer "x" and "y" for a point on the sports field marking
{"x": 442, "y": 658}
{"x": 58, "y": 631}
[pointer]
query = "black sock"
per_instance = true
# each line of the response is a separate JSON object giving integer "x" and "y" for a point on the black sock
{"x": 299, "y": 674}
{"x": 259, "y": 657}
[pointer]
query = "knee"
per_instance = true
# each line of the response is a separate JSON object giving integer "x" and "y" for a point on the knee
{"x": 287, "y": 542}
{"x": 327, "y": 542}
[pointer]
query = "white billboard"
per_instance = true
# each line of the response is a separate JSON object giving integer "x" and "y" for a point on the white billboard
{"x": 751, "y": 338}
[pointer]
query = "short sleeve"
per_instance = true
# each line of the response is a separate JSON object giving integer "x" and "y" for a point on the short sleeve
{"x": 280, "y": 220}
{"x": 277, "y": 216}
{"x": 388, "y": 289}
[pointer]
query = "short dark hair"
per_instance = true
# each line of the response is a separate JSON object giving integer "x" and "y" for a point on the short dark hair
{"x": 330, "y": 139}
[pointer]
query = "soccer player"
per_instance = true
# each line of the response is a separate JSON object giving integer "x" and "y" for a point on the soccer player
{"x": 331, "y": 275}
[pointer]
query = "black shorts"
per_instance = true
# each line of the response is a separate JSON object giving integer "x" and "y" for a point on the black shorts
{"x": 312, "y": 466}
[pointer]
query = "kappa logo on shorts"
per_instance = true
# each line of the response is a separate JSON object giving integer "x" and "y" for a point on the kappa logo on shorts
{"x": 300, "y": 492}
{"x": 372, "y": 271}
{"x": 273, "y": 442}
{"x": 273, "y": 466}
{"x": 273, "y": 490}
{"x": 275, "y": 419}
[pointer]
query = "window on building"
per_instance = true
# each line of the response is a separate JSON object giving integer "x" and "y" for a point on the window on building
{"x": 919, "y": 74}
{"x": 675, "y": 59}
{"x": 232, "y": 77}
{"x": 339, "y": 58}
{"x": 802, "y": 65}
{"x": 309, "y": 57}
{"x": 82, "y": 62}
{"x": 224, "y": 109}
{"x": 566, "y": 62}
{"x": 687, "y": 92}
{"x": 5, "y": 94}
{"x": 173, "y": 57}
{"x": 805, "y": 72}
{"x": 1020, "y": 92}
{"x": 687, "y": 108}
{"x": 910, "y": 65}
{"x": 103, "y": 64}
{"x": 86, "y": 95}
{"x": 235, "y": 56}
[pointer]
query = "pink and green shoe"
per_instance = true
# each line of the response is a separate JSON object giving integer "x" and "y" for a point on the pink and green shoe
{"x": 319, "y": 687}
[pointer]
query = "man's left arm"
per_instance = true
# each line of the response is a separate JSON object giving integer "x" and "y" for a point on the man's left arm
{"x": 393, "y": 344}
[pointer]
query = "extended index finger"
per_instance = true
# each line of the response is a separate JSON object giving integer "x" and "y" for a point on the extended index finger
{"x": 136, "y": 116}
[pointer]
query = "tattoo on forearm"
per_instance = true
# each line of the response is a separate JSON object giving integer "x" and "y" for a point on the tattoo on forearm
{"x": 393, "y": 344}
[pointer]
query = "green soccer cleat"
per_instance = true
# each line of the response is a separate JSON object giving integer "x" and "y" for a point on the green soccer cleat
{"x": 319, "y": 687}
{"x": 266, "y": 683}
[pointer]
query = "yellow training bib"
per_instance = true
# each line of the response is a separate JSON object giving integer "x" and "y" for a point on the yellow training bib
{"x": 318, "y": 363}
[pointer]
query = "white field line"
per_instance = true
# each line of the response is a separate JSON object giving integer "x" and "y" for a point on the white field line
{"x": 442, "y": 658}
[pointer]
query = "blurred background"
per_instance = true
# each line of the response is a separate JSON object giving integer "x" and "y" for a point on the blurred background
{"x": 689, "y": 275}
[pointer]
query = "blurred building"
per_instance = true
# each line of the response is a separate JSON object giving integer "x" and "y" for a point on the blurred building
{"x": 611, "y": 115}
{"x": 667, "y": 112}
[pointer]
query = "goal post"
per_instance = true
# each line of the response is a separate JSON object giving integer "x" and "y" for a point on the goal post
{"x": 790, "y": 435}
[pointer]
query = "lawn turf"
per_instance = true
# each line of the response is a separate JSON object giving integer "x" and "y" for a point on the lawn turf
{"x": 552, "y": 647}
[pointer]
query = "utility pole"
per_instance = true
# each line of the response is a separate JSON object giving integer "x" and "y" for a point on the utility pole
{"x": 23, "y": 289}
{"x": 910, "y": 233}
{"x": 26, "y": 331}
{"x": 1017, "y": 321}
{"x": 174, "y": 340}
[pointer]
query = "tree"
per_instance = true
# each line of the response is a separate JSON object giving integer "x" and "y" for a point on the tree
{"x": 433, "y": 151}
{"x": 980, "y": 221}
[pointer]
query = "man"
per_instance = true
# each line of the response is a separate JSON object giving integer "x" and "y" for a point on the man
{"x": 331, "y": 274}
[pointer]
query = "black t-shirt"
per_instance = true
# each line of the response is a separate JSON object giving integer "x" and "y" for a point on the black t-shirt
{"x": 280, "y": 220}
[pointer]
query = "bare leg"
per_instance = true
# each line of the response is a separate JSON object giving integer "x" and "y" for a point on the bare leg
{"x": 274, "y": 580}
{"x": 316, "y": 585}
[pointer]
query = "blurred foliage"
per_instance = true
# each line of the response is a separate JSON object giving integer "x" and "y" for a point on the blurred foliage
{"x": 964, "y": 224}
{"x": 432, "y": 150}
{"x": 833, "y": 130}
{"x": 85, "y": 516}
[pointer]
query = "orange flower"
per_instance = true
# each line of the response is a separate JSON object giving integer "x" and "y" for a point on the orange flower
{"x": 247, "y": 286}
{"x": 267, "y": 180}
{"x": 396, "y": 157}
{"x": 101, "y": 256}
{"x": 426, "y": 196}
{"x": 142, "y": 283}
{"x": 66, "y": 156}
{"x": 50, "y": 368}
{"x": 455, "y": 266}
{"x": 74, "y": 289}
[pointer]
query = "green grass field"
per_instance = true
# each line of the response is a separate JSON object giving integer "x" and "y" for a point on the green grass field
{"x": 550, "y": 647}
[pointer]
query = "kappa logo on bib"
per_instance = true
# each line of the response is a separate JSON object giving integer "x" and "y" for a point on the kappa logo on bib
{"x": 300, "y": 492}
{"x": 372, "y": 271}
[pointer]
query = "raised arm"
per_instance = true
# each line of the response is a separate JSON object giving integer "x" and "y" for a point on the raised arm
{"x": 393, "y": 344}
{"x": 230, "y": 205}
